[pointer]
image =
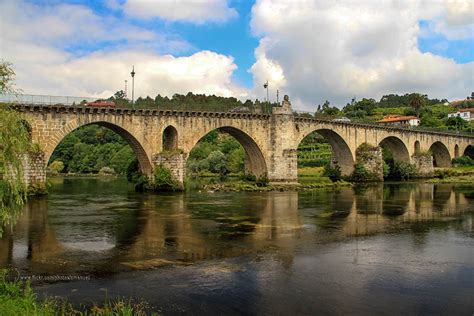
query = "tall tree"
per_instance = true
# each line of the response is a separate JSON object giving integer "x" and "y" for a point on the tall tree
{"x": 14, "y": 143}
{"x": 417, "y": 101}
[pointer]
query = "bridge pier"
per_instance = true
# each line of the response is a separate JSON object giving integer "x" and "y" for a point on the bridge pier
{"x": 283, "y": 156}
{"x": 34, "y": 172}
{"x": 424, "y": 165}
{"x": 175, "y": 162}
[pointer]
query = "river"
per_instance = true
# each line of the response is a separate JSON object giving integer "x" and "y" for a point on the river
{"x": 392, "y": 248}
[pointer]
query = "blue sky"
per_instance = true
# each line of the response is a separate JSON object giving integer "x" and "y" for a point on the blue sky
{"x": 315, "y": 51}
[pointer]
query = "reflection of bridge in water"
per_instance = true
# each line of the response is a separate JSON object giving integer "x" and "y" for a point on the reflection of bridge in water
{"x": 184, "y": 230}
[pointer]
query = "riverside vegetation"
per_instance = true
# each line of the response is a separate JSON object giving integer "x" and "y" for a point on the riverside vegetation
{"x": 17, "y": 298}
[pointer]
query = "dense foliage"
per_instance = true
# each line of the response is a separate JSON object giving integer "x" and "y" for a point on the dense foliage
{"x": 217, "y": 153}
{"x": 91, "y": 148}
{"x": 14, "y": 145}
{"x": 314, "y": 151}
{"x": 432, "y": 112}
{"x": 194, "y": 102}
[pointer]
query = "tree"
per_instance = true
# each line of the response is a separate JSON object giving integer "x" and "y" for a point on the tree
{"x": 14, "y": 144}
{"x": 456, "y": 123}
{"x": 7, "y": 78}
{"x": 417, "y": 101}
{"x": 217, "y": 162}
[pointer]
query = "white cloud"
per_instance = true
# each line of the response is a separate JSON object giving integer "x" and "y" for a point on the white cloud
{"x": 196, "y": 11}
{"x": 337, "y": 49}
{"x": 38, "y": 41}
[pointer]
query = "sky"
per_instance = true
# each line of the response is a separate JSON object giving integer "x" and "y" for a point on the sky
{"x": 310, "y": 50}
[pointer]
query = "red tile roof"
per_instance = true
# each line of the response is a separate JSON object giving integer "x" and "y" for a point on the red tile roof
{"x": 396, "y": 118}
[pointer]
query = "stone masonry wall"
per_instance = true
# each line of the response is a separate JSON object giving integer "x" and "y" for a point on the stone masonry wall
{"x": 175, "y": 162}
{"x": 372, "y": 160}
{"x": 34, "y": 171}
{"x": 424, "y": 165}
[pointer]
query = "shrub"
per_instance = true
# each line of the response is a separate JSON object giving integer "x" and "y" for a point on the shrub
{"x": 403, "y": 170}
{"x": 56, "y": 166}
{"x": 164, "y": 180}
{"x": 249, "y": 177}
{"x": 107, "y": 171}
{"x": 217, "y": 162}
{"x": 386, "y": 170}
{"x": 262, "y": 181}
{"x": 332, "y": 172}
{"x": 360, "y": 174}
{"x": 463, "y": 161}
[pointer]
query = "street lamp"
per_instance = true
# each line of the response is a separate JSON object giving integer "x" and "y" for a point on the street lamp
{"x": 133, "y": 83}
{"x": 265, "y": 86}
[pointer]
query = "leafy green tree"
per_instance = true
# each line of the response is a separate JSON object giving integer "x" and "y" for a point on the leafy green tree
{"x": 417, "y": 102}
{"x": 14, "y": 146}
{"x": 56, "y": 166}
{"x": 456, "y": 123}
{"x": 7, "y": 78}
{"x": 218, "y": 162}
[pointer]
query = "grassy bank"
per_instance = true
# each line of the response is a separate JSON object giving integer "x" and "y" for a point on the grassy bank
{"x": 17, "y": 298}
{"x": 308, "y": 178}
{"x": 461, "y": 175}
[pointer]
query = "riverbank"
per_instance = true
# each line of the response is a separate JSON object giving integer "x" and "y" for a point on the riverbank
{"x": 309, "y": 178}
{"x": 460, "y": 175}
{"x": 17, "y": 298}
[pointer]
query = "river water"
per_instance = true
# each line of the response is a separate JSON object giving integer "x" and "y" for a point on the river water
{"x": 393, "y": 248}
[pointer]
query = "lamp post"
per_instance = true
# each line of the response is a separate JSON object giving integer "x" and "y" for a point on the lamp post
{"x": 125, "y": 89}
{"x": 133, "y": 83}
{"x": 265, "y": 86}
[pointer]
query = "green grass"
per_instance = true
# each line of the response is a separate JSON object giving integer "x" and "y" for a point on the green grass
{"x": 17, "y": 298}
{"x": 310, "y": 172}
{"x": 466, "y": 179}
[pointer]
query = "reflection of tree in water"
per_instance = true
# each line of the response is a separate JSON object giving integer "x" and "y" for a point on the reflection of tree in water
{"x": 441, "y": 195}
{"x": 466, "y": 190}
{"x": 396, "y": 198}
{"x": 369, "y": 199}
{"x": 339, "y": 204}
{"x": 236, "y": 216}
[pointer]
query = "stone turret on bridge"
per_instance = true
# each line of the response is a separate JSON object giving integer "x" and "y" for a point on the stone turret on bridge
{"x": 270, "y": 141}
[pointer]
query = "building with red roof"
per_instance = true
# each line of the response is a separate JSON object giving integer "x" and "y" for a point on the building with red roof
{"x": 465, "y": 114}
{"x": 399, "y": 120}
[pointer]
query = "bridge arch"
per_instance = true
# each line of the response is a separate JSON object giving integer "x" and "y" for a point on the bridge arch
{"x": 469, "y": 151}
{"x": 143, "y": 160}
{"x": 170, "y": 138}
{"x": 342, "y": 154}
{"x": 441, "y": 156}
{"x": 417, "y": 147}
{"x": 255, "y": 163}
{"x": 397, "y": 147}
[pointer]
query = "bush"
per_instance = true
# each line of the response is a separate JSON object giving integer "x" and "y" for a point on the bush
{"x": 107, "y": 171}
{"x": 333, "y": 173}
{"x": 56, "y": 166}
{"x": 217, "y": 162}
{"x": 444, "y": 173}
{"x": 249, "y": 177}
{"x": 360, "y": 174}
{"x": 463, "y": 161}
{"x": 386, "y": 170}
{"x": 403, "y": 170}
{"x": 164, "y": 180}
{"x": 262, "y": 181}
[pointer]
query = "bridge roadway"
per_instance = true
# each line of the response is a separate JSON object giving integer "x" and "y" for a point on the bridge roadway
{"x": 270, "y": 141}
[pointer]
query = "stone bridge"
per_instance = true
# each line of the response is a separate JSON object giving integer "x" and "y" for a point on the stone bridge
{"x": 270, "y": 141}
